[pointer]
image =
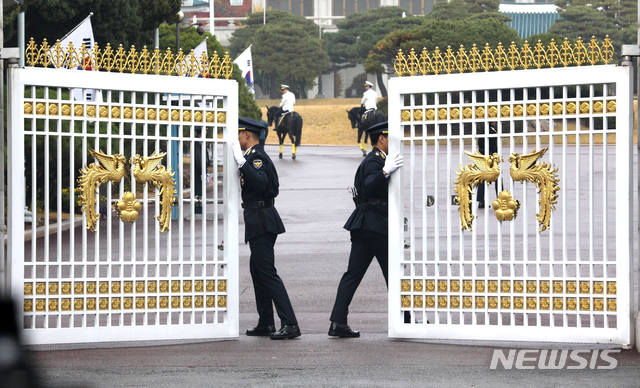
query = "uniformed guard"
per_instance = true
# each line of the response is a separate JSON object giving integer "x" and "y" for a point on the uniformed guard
{"x": 368, "y": 225}
{"x": 259, "y": 184}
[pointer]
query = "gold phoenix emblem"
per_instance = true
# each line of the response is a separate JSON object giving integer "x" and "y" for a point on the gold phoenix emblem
{"x": 485, "y": 168}
{"x": 543, "y": 175}
{"x": 148, "y": 169}
{"x": 111, "y": 168}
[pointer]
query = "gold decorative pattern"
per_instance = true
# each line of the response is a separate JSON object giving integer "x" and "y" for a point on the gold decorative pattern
{"x": 517, "y": 111}
{"x": 405, "y": 286}
{"x": 128, "y": 207}
{"x": 537, "y": 297}
{"x": 430, "y": 114}
{"x": 611, "y": 288}
{"x": 222, "y": 118}
{"x": 417, "y": 114}
{"x": 405, "y": 115}
{"x": 145, "y": 61}
{"x": 543, "y": 175}
{"x": 502, "y": 58}
{"x": 417, "y": 285}
{"x": 485, "y": 168}
{"x": 545, "y": 304}
{"x": 519, "y": 286}
{"x": 505, "y": 207}
{"x": 431, "y": 285}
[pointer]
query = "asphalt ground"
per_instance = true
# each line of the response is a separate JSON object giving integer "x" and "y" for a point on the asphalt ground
{"x": 311, "y": 257}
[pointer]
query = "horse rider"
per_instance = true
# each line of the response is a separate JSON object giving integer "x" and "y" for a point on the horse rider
{"x": 286, "y": 105}
{"x": 369, "y": 98}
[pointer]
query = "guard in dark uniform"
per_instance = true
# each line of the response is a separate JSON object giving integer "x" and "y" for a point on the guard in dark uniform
{"x": 368, "y": 225}
{"x": 259, "y": 183}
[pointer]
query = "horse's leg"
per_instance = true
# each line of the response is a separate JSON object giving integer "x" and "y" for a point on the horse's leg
{"x": 293, "y": 144}
{"x": 280, "y": 141}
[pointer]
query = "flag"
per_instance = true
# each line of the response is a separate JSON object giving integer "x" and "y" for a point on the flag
{"x": 197, "y": 52}
{"x": 245, "y": 64}
{"x": 82, "y": 33}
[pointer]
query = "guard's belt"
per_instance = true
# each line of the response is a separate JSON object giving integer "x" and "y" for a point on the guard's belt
{"x": 258, "y": 204}
{"x": 374, "y": 201}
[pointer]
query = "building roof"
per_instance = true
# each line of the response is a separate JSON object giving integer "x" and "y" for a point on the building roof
{"x": 530, "y": 18}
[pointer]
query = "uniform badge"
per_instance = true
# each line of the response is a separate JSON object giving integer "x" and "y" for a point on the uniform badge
{"x": 257, "y": 163}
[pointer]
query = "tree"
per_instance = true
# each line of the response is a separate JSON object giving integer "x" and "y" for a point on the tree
{"x": 285, "y": 50}
{"x": 439, "y": 33}
{"x": 586, "y": 18}
{"x": 462, "y": 9}
{"x": 189, "y": 39}
{"x": 126, "y": 22}
{"x": 286, "y": 53}
{"x": 584, "y": 21}
{"x": 359, "y": 32}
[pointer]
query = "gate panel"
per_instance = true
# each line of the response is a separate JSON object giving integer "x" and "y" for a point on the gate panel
{"x": 566, "y": 278}
{"x": 148, "y": 265}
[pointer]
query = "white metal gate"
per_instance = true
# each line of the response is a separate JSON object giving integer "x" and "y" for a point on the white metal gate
{"x": 170, "y": 274}
{"x": 562, "y": 278}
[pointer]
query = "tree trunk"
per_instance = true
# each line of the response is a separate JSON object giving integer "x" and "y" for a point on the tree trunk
{"x": 381, "y": 87}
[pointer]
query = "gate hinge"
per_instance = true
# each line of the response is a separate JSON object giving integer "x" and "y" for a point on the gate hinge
{"x": 9, "y": 53}
{"x": 630, "y": 50}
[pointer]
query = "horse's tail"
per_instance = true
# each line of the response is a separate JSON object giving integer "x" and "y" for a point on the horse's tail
{"x": 296, "y": 124}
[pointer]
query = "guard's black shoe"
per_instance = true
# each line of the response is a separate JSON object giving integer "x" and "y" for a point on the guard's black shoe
{"x": 481, "y": 205}
{"x": 261, "y": 331}
{"x": 286, "y": 332}
{"x": 342, "y": 331}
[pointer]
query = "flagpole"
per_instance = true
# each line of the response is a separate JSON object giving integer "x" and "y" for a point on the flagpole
{"x": 76, "y": 27}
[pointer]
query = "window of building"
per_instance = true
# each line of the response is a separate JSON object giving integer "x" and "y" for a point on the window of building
{"x": 417, "y": 7}
{"x": 295, "y": 7}
{"x": 347, "y": 7}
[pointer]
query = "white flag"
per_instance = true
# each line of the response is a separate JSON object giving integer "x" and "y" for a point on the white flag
{"x": 197, "y": 52}
{"x": 83, "y": 33}
{"x": 245, "y": 64}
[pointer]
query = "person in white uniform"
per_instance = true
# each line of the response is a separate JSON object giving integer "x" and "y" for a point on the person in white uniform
{"x": 369, "y": 98}
{"x": 288, "y": 100}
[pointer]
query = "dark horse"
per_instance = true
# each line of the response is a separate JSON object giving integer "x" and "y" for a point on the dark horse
{"x": 370, "y": 119}
{"x": 291, "y": 124}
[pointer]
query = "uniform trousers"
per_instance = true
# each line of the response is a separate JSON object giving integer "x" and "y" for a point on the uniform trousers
{"x": 267, "y": 285}
{"x": 365, "y": 245}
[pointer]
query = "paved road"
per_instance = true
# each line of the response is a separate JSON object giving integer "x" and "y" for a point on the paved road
{"x": 311, "y": 257}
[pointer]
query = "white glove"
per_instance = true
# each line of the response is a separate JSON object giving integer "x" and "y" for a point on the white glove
{"x": 392, "y": 163}
{"x": 238, "y": 154}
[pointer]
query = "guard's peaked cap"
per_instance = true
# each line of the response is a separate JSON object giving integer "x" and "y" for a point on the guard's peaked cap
{"x": 251, "y": 125}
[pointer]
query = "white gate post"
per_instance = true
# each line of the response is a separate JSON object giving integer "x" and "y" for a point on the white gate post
{"x": 16, "y": 181}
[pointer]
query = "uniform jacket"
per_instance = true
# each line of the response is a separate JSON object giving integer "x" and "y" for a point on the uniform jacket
{"x": 371, "y": 183}
{"x": 288, "y": 100}
{"x": 369, "y": 99}
{"x": 259, "y": 182}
